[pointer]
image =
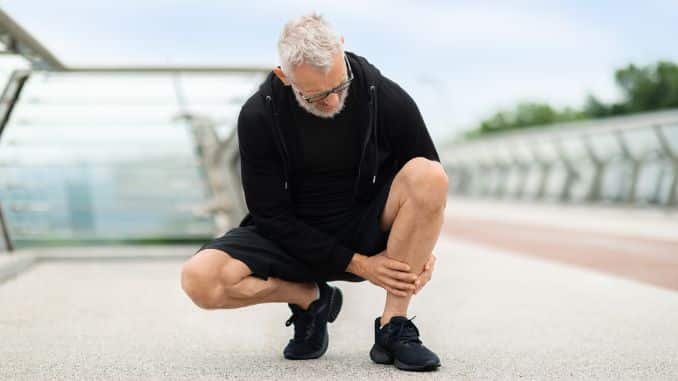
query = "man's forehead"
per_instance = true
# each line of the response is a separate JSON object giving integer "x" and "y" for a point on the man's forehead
{"x": 315, "y": 79}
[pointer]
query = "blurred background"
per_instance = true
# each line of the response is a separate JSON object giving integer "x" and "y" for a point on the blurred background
{"x": 122, "y": 126}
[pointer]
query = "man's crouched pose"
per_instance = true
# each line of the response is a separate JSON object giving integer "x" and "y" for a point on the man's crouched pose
{"x": 342, "y": 182}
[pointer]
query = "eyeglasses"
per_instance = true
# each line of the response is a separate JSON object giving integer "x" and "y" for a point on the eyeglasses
{"x": 337, "y": 90}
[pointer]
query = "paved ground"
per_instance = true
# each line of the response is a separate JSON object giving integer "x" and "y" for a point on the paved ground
{"x": 489, "y": 313}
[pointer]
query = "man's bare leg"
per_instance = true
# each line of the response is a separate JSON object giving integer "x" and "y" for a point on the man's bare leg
{"x": 213, "y": 279}
{"x": 414, "y": 211}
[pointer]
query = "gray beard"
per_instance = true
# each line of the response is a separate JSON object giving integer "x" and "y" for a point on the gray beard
{"x": 321, "y": 114}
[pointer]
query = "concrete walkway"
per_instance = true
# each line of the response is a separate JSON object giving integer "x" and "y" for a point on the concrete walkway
{"x": 487, "y": 313}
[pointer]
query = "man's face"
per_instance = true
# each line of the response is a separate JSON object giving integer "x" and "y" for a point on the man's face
{"x": 308, "y": 81}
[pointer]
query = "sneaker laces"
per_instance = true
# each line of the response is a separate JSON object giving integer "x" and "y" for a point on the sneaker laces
{"x": 408, "y": 332}
{"x": 304, "y": 324}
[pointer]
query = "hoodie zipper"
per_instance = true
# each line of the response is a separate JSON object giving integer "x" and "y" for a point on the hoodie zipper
{"x": 373, "y": 126}
{"x": 282, "y": 141}
{"x": 373, "y": 99}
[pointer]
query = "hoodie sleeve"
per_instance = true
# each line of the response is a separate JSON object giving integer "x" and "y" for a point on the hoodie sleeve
{"x": 269, "y": 202}
{"x": 402, "y": 118}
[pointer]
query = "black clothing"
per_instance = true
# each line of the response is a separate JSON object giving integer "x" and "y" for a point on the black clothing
{"x": 266, "y": 258}
{"x": 390, "y": 129}
{"x": 330, "y": 162}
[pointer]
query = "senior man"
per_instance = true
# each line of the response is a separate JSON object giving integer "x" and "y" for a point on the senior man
{"x": 342, "y": 182}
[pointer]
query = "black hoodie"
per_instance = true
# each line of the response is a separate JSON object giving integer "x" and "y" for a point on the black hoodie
{"x": 392, "y": 132}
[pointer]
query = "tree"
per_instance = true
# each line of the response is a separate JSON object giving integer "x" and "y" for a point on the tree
{"x": 652, "y": 87}
{"x": 526, "y": 114}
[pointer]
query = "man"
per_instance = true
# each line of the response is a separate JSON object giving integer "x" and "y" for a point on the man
{"x": 342, "y": 182}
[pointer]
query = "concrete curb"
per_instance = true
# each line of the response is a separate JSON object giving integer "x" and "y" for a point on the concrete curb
{"x": 12, "y": 265}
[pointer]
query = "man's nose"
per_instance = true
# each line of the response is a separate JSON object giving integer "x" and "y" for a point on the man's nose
{"x": 331, "y": 100}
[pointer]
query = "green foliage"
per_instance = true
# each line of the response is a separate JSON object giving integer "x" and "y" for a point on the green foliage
{"x": 526, "y": 114}
{"x": 648, "y": 88}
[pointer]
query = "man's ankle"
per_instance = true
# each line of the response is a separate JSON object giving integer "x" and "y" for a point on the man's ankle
{"x": 314, "y": 295}
{"x": 386, "y": 318}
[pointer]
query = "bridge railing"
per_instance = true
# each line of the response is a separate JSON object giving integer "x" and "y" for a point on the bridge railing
{"x": 631, "y": 160}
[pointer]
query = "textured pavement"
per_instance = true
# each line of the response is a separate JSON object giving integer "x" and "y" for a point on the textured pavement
{"x": 487, "y": 313}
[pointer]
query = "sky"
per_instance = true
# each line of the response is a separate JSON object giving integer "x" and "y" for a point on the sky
{"x": 460, "y": 60}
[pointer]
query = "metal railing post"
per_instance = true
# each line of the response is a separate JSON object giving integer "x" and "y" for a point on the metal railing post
{"x": 571, "y": 173}
{"x": 5, "y": 232}
{"x": 545, "y": 172}
{"x": 593, "y": 194}
{"x": 10, "y": 95}
{"x": 8, "y": 99}
{"x": 673, "y": 158}
{"x": 630, "y": 191}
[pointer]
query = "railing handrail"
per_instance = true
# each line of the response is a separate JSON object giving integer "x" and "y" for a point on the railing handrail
{"x": 589, "y": 127}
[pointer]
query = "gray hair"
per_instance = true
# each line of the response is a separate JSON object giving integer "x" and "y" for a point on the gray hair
{"x": 308, "y": 39}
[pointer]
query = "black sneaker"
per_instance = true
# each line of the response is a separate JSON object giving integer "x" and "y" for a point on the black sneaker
{"x": 310, "y": 326}
{"x": 398, "y": 343}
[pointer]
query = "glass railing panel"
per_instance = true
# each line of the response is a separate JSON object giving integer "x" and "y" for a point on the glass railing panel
{"x": 92, "y": 157}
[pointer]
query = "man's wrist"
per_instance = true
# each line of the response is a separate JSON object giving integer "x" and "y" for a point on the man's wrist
{"x": 355, "y": 265}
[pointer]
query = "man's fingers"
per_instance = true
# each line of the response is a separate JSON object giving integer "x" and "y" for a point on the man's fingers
{"x": 421, "y": 281}
{"x": 431, "y": 260}
{"x": 402, "y": 286}
{"x": 397, "y": 265}
{"x": 401, "y": 275}
{"x": 399, "y": 285}
{"x": 395, "y": 292}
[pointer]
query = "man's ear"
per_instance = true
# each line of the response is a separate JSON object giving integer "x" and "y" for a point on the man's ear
{"x": 279, "y": 73}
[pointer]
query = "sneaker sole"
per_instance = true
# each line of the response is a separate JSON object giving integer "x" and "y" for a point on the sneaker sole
{"x": 382, "y": 356}
{"x": 336, "y": 300}
{"x": 312, "y": 355}
{"x": 417, "y": 368}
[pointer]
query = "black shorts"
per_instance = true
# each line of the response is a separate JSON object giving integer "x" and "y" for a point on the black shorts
{"x": 265, "y": 258}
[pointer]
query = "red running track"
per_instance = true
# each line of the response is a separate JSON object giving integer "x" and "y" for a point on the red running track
{"x": 639, "y": 258}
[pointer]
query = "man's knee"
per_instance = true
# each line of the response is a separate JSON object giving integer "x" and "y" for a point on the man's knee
{"x": 427, "y": 183}
{"x": 207, "y": 277}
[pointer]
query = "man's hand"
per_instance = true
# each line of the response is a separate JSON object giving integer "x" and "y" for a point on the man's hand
{"x": 425, "y": 275}
{"x": 392, "y": 275}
